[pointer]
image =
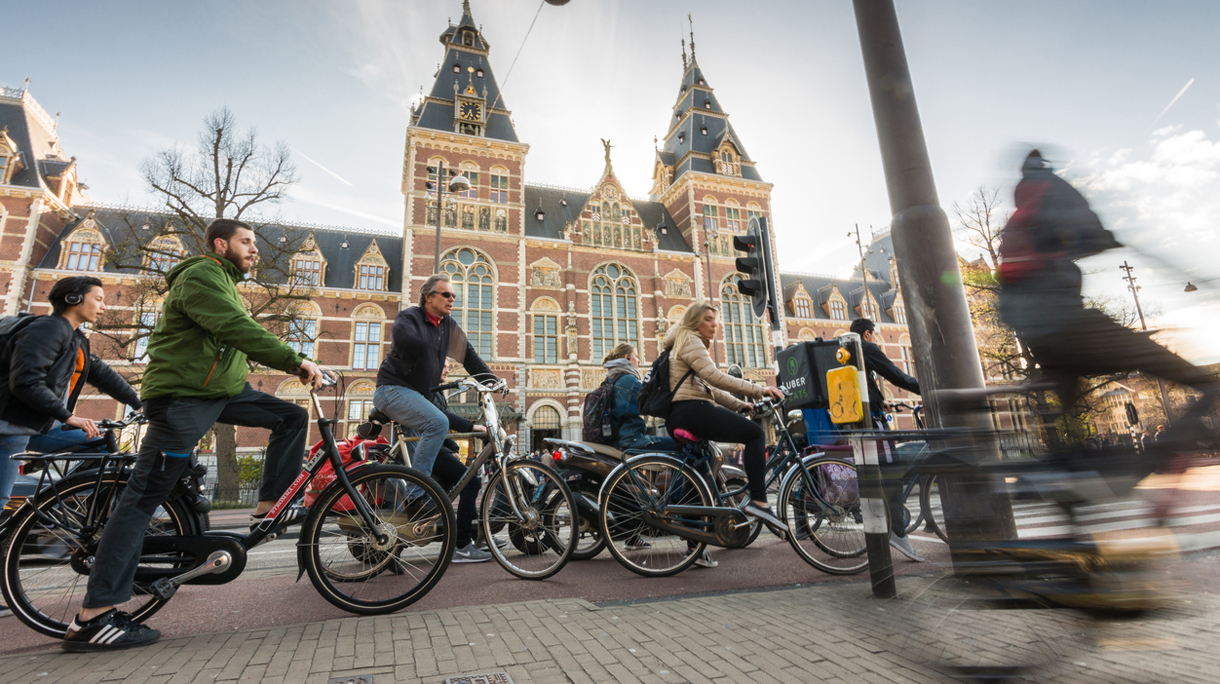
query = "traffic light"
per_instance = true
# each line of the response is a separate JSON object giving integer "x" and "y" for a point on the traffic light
{"x": 754, "y": 266}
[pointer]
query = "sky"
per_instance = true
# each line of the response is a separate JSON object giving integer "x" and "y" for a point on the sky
{"x": 1099, "y": 87}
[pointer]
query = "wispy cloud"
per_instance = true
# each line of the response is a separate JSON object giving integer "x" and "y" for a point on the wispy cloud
{"x": 1175, "y": 99}
{"x": 315, "y": 163}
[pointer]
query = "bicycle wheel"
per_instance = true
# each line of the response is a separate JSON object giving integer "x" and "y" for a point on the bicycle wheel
{"x": 644, "y": 485}
{"x": 589, "y": 542}
{"x": 972, "y": 629}
{"x": 913, "y": 519}
{"x": 820, "y": 501}
{"x": 48, "y": 558}
{"x": 350, "y": 568}
{"x": 544, "y": 536}
{"x": 930, "y": 506}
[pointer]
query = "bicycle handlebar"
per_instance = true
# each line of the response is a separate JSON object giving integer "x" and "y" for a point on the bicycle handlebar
{"x": 133, "y": 418}
{"x": 472, "y": 384}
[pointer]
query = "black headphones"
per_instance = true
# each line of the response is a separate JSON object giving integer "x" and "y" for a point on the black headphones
{"x": 74, "y": 298}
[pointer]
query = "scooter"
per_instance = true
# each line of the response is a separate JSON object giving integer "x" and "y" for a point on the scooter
{"x": 584, "y": 467}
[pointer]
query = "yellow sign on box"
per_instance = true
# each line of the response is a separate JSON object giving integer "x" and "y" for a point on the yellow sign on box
{"x": 843, "y": 389}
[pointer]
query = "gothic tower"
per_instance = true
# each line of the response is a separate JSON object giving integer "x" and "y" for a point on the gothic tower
{"x": 709, "y": 184}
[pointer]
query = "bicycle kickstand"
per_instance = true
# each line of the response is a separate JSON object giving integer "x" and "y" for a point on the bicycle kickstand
{"x": 165, "y": 587}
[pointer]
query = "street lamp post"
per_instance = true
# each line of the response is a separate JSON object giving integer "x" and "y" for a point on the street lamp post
{"x": 458, "y": 184}
{"x": 1144, "y": 326}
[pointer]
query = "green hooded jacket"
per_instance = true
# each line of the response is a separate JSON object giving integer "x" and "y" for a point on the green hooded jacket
{"x": 199, "y": 346}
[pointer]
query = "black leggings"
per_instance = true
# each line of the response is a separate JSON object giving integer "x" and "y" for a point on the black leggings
{"x": 718, "y": 424}
{"x": 448, "y": 471}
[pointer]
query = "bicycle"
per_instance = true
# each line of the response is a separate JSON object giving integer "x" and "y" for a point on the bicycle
{"x": 658, "y": 512}
{"x": 525, "y": 497}
{"x": 370, "y": 546}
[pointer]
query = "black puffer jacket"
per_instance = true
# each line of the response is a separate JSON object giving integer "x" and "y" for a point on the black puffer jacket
{"x": 37, "y": 366}
{"x": 419, "y": 348}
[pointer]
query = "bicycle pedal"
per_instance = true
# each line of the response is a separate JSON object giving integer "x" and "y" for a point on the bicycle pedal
{"x": 164, "y": 589}
{"x": 747, "y": 523}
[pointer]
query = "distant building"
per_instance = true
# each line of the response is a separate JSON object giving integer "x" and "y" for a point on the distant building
{"x": 548, "y": 278}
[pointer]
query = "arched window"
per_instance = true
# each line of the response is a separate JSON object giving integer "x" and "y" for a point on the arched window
{"x": 83, "y": 251}
{"x": 499, "y": 185}
{"x": 545, "y": 417}
{"x": 359, "y": 404}
{"x": 368, "y": 320}
{"x": 471, "y": 275}
{"x": 744, "y": 338}
{"x": 615, "y": 311}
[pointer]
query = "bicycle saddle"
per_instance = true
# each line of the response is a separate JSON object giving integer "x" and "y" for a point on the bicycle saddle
{"x": 686, "y": 436}
{"x": 379, "y": 417}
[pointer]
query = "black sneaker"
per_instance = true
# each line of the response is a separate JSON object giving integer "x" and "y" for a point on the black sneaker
{"x": 293, "y": 516}
{"x": 110, "y": 631}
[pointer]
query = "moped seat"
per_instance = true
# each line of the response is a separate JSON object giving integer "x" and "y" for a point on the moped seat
{"x": 603, "y": 449}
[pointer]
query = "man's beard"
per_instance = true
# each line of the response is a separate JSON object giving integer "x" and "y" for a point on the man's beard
{"x": 236, "y": 260}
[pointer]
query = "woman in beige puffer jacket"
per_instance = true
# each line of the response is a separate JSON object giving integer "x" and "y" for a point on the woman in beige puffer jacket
{"x": 695, "y": 402}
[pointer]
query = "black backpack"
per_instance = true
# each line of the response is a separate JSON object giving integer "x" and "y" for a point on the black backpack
{"x": 598, "y": 427}
{"x": 655, "y": 395}
{"x": 9, "y": 326}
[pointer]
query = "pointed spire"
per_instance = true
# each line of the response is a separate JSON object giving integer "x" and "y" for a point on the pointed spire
{"x": 692, "y": 38}
{"x": 684, "y": 54}
{"x": 465, "y": 6}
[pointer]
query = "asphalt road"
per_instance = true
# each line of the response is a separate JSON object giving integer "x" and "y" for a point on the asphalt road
{"x": 268, "y": 593}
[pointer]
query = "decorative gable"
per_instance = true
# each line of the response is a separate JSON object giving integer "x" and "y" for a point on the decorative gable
{"x": 545, "y": 273}
{"x": 678, "y": 284}
{"x": 372, "y": 270}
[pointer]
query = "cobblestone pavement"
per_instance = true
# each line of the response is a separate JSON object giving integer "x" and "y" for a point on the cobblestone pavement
{"x": 828, "y": 633}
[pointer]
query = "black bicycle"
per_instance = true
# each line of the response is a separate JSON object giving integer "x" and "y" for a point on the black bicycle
{"x": 660, "y": 511}
{"x": 524, "y": 497}
{"x": 376, "y": 539}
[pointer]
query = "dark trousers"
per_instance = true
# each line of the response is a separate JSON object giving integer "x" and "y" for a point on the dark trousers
{"x": 447, "y": 470}
{"x": 175, "y": 426}
{"x": 718, "y": 424}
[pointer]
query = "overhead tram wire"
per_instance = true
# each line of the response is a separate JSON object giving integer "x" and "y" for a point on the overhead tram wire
{"x": 509, "y": 73}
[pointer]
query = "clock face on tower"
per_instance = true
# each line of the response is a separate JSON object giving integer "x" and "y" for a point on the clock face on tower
{"x": 470, "y": 111}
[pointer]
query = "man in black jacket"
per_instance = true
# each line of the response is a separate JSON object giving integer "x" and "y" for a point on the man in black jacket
{"x": 46, "y": 364}
{"x": 422, "y": 338}
{"x": 877, "y": 363}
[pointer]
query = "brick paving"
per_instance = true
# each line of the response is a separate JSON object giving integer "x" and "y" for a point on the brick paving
{"x": 835, "y": 633}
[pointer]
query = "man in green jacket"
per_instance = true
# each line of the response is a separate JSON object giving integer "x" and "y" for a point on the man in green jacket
{"x": 196, "y": 377}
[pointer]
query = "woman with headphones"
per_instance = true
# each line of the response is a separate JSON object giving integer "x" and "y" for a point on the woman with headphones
{"x": 43, "y": 366}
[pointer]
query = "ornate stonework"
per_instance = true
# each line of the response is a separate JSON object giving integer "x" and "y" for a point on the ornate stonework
{"x": 591, "y": 377}
{"x": 545, "y": 273}
{"x": 677, "y": 284}
{"x": 546, "y": 378}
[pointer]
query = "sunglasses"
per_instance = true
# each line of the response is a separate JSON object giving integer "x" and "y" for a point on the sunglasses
{"x": 446, "y": 295}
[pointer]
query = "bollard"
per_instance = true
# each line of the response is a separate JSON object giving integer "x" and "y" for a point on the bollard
{"x": 873, "y": 509}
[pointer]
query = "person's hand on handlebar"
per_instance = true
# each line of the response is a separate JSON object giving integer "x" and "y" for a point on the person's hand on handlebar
{"x": 310, "y": 373}
{"x": 85, "y": 424}
{"x": 773, "y": 393}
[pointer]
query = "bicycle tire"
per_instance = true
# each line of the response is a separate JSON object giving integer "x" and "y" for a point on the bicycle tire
{"x": 542, "y": 542}
{"x": 929, "y": 505}
{"x": 589, "y": 541}
{"x": 635, "y": 544}
{"x": 46, "y": 565}
{"x": 826, "y": 529}
{"x": 347, "y": 565}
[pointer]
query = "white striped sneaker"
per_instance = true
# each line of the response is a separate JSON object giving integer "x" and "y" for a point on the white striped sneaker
{"x": 110, "y": 631}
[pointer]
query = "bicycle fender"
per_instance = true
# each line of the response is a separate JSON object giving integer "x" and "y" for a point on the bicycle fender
{"x": 732, "y": 472}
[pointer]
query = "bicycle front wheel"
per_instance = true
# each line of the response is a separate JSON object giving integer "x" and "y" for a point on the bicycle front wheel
{"x": 49, "y": 556}
{"x": 544, "y": 536}
{"x": 820, "y": 501}
{"x": 642, "y": 488}
{"x": 930, "y": 505}
{"x": 354, "y": 570}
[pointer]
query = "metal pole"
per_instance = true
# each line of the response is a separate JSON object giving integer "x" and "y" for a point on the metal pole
{"x": 441, "y": 182}
{"x": 938, "y": 315}
{"x": 707, "y": 257}
{"x": 872, "y": 495}
{"x": 1144, "y": 326}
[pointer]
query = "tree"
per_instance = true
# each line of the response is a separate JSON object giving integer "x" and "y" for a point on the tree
{"x": 227, "y": 174}
{"x": 979, "y": 222}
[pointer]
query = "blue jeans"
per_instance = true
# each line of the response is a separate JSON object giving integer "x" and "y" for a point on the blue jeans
{"x": 413, "y": 410}
{"x": 50, "y": 442}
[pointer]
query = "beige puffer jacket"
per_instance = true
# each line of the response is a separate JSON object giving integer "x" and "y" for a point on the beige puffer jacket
{"x": 707, "y": 381}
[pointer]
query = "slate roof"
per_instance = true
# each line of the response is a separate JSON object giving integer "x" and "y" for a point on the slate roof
{"x": 819, "y": 289}
{"x": 33, "y": 140}
{"x": 697, "y": 109}
{"x": 123, "y": 232}
{"x": 556, "y": 215}
{"x": 437, "y": 110}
